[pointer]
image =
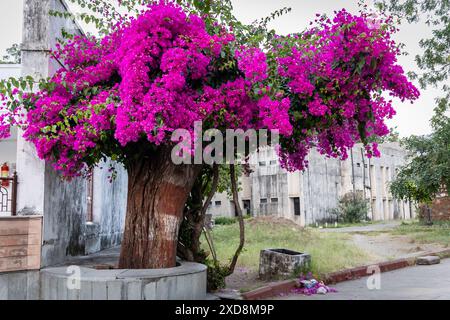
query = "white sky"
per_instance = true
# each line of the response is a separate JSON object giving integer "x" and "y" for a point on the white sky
{"x": 410, "y": 119}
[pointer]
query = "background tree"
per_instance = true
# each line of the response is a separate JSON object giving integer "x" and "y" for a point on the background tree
{"x": 435, "y": 59}
{"x": 13, "y": 55}
{"x": 121, "y": 95}
{"x": 427, "y": 172}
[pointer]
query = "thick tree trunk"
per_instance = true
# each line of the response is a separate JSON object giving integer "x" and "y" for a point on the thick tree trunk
{"x": 157, "y": 193}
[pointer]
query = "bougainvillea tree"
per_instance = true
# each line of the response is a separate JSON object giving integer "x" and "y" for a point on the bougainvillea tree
{"x": 121, "y": 95}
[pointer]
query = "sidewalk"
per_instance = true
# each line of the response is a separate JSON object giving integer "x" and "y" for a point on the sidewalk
{"x": 418, "y": 282}
{"x": 382, "y": 226}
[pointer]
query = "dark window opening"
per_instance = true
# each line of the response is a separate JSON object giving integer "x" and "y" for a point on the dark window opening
{"x": 246, "y": 207}
{"x": 296, "y": 206}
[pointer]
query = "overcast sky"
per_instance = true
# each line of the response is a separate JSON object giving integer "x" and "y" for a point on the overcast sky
{"x": 410, "y": 119}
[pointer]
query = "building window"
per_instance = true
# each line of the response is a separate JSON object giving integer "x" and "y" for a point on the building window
{"x": 274, "y": 200}
{"x": 264, "y": 200}
{"x": 358, "y": 165}
{"x": 246, "y": 207}
{"x": 262, "y": 163}
{"x": 296, "y": 206}
{"x": 273, "y": 162}
{"x": 218, "y": 203}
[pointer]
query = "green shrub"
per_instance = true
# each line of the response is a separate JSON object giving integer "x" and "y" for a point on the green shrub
{"x": 224, "y": 221}
{"x": 216, "y": 275}
{"x": 352, "y": 208}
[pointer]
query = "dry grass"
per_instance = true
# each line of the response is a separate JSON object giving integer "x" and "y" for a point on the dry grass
{"x": 438, "y": 233}
{"x": 329, "y": 251}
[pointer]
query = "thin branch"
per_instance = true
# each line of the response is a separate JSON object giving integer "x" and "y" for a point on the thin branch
{"x": 234, "y": 190}
{"x": 208, "y": 236}
{"x": 209, "y": 239}
{"x": 214, "y": 185}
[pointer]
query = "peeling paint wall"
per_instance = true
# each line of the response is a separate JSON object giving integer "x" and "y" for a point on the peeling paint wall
{"x": 64, "y": 204}
{"x": 64, "y": 218}
{"x": 109, "y": 207}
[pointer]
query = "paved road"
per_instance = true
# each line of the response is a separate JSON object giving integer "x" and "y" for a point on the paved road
{"x": 418, "y": 282}
{"x": 383, "y": 226}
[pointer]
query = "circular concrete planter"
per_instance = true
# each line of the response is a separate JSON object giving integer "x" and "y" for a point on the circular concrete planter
{"x": 185, "y": 282}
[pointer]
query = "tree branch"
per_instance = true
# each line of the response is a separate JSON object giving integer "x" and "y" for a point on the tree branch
{"x": 234, "y": 190}
{"x": 214, "y": 185}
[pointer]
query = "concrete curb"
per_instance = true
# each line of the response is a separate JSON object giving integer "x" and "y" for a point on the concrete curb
{"x": 285, "y": 287}
{"x": 271, "y": 290}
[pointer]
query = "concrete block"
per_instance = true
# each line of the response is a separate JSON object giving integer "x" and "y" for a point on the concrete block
{"x": 44, "y": 285}
{"x": 4, "y": 286}
{"x": 17, "y": 286}
{"x": 86, "y": 290}
{"x": 134, "y": 290}
{"x": 33, "y": 285}
{"x": 428, "y": 260}
{"x": 150, "y": 291}
{"x": 62, "y": 289}
{"x": 196, "y": 284}
{"x": 73, "y": 294}
{"x": 99, "y": 291}
{"x": 274, "y": 263}
{"x": 184, "y": 288}
{"x": 114, "y": 290}
{"x": 162, "y": 289}
{"x": 201, "y": 284}
{"x": 53, "y": 288}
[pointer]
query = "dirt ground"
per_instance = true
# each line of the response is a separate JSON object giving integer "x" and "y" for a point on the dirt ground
{"x": 376, "y": 241}
{"x": 384, "y": 246}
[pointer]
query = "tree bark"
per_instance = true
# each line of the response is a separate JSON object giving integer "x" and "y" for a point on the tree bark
{"x": 157, "y": 192}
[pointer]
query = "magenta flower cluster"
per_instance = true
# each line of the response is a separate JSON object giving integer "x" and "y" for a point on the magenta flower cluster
{"x": 339, "y": 70}
{"x": 163, "y": 71}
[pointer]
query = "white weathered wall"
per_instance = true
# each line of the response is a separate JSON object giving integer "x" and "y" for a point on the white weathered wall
{"x": 41, "y": 189}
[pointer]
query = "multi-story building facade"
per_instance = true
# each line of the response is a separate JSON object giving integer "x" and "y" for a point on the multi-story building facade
{"x": 310, "y": 196}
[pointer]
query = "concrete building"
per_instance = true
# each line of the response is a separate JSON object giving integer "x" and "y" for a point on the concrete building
{"x": 310, "y": 196}
{"x": 81, "y": 216}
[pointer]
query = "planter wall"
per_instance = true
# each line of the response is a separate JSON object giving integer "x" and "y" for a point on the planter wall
{"x": 282, "y": 263}
{"x": 186, "y": 282}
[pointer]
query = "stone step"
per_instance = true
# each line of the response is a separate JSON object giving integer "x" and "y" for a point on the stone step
{"x": 428, "y": 260}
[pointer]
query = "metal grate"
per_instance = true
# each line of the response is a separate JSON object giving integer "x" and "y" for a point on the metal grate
{"x": 8, "y": 195}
